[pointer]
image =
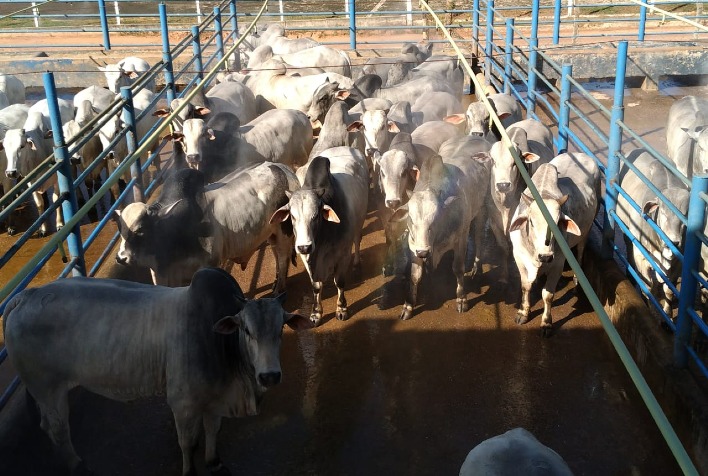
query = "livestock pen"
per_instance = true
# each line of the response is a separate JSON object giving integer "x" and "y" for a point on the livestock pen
{"x": 506, "y": 65}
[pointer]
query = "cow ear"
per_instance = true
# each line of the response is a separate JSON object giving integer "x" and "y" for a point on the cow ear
{"x": 529, "y": 157}
{"x": 568, "y": 224}
{"x": 562, "y": 200}
{"x": 281, "y": 214}
{"x": 31, "y": 144}
{"x": 526, "y": 199}
{"x": 166, "y": 211}
{"x": 449, "y": 201}
{"x": 177, "y": 136}
{"x": 518, "y": 222}
{"x": 455, "y": 119}
{"x": 503, "y": 115}
{"x": 227, "y": 325}
{"x": 650, "y": 207}
{"x": 329, "y": 214}
{"x": 210, "y": 133}
{"x": 355, "y": 126}
{"x": 201, "y": 111}
{"x": 161, "y": 112}
{"x": 131, "y": 74}
{"x": 342, "y": 94}
{"x": 298, "y": 322}
{"x": 400, "y": 214}
{"x": 415, "y": 173}
{"x": 392, "y": 127}
{"x": 482, "y": 157}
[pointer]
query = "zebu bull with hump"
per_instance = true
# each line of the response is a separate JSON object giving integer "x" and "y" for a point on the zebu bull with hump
{"x": 327, "y": 216}
{"x": 193, "y": 225}
{"x": 212, "y": 352}
{"x": 570, "y": 186}
{"x": 448, "y": 196}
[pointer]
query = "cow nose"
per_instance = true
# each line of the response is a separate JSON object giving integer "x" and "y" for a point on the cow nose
{"x": 304, "y": 249}
{"x": 477, "y": 134}
{"x": 121, "y": 259}
{"x": 545, "y": 258}
{"x": 422, "y": 254}
{"x": 503, "y": 187}
{"x": 193, "y": 158}
{"x": 269, "y": 379}
{"x": 75, "y": 160}
{"x": 371, "y": 152}
{"x": 11, "y": 173}
{"x": 393, "y": 203}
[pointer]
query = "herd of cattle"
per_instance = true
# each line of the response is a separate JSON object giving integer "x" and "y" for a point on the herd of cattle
{"x": 393, "y": 135}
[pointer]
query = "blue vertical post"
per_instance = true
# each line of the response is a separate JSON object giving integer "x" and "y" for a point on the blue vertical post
{"x": 564, "y": 112}
{"x": 533, "y": 60}
{"x": 556, "y": 21}
{"x": 131, "y": 139}
{"x": 509, "y": 55}
{"x": 218, "y": 32}
{"x": 614, "y": 144}
{"x": 65, "y": 180}
{"x": 642, "y": 23}
{"x": 691, "y": 257}
{"x": 197, "y": 52}
{"x": 234, "y": 28}
{"x": 167, "y": 55}
{"x": 352, "y": 25}
{"x": 104, "y": 24}
{"x": 489, "y": 39}
{"x": 475, "y": 26}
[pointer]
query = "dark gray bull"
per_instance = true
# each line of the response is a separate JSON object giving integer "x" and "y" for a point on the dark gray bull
{"x": 687, "y": 135}
{"x": 655, "y": 208}
{"x": 327, "y": 215}
{"x": 223, "y": 145}
{"x": 447, "y": 197}
{"x": 570, "y": 186}
{"x": 533, "y": 141}
{"x": 192, "y": 225}
{"x": 208, "y": 349}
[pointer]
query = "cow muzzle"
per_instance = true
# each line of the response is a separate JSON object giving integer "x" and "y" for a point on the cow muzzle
{"x": 194, "y": 161}
{"x": 269, "y": 379}
{"x": 393, "y": 204}
{"x": 423, "y": 254}
{"x": 545, "y": 257}
{"x": 121, "y": 260}
{"x": 305, "y": 249}
{"x": 11, "y": 174}
{"x": 503, "y": 187}
{"x": 75, "y": 160}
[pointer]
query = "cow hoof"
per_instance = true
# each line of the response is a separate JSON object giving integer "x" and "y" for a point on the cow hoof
{"x": 11, "y": 231}
{"x": 462, "y": 306}
{"x": 521, "y": 318}
{"x": 342, "y": 314}
{"x": 315, "y": 318}
{"x": 42, "y": 233}
{"x": 406, "y": 313}
{"x": 546, "y": 331}
{"x": 387, "y": 270}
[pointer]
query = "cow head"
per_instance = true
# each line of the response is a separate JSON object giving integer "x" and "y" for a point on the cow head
{"x": 668, "y": 221}
{"x": 397, "y": 173}
{"x": 324, "y": 96}
{"x": 117, "y": 77}
{"x": 505, "y": 174}
{"x": 307, "y": 211}
{"x": 538, "y": 236}
{"x": 194, "y": 131}
{"x": 376, "y": 127}
{"x": 260, "y": 326}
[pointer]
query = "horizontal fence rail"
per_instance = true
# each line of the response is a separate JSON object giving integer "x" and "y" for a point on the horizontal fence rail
{"x": 507, "y": 42}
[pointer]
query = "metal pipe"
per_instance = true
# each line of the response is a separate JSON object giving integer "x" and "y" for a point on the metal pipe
{"x": 132, "y": 142}
{"x": 218, "y": 32}
{"x": 104, "y": 25}
{"x": 352, "y": 25}
{"x": 691, "y": 260}
{"x": 613, "y": 152}
{"x": 533, "y": 59}
{"x": 489, "y": 39}
{"x": 556, "y": 21}
{"x": 475, "y": 26}
{"x": 197, "y": 52}
{"x": 642, "y": 22}
{"x": 234, "y": 28}
{"x": 64, "y": 177}
{"x": 564, "y": 108}
{"x": 167, "y": 55}
{"x": 509, "y": 55}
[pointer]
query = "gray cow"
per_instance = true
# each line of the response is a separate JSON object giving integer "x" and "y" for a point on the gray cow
{"x": 334, "y": 131}
{"x": 228, "y": 96}
{"x": 477, "y": 117}
{"x": 533, "y": 142}
{"x": 654, "y": 207}
{"x": 687, "y": 135}
{"x": 13, "y": 88}
{"x": 223, "y": 145}
{"x": 570, "y": 187}
{"x": 515, "y": 452}
{"x": 193, "y": 225}
{"x": 208, "y": 349}
{"x": 125, "y": 72}
{"x": 447, "y": 197}
{"x": 327, "y": 215}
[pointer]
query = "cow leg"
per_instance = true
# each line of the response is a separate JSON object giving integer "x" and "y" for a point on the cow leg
{"x": 478, "y": 237}
{"x": 502, "y": 241}
{"x": 549, "y": 290}
{"x": 39, "y": 202}
{"x": 316, "y": 314}
{"x": 528, "y": 276}
{"x": 212, "y": 424}
{"x": 282, "y": 247}
{"x": 54, "y": 410}
{"x": 458, "y": 267}
{"x": 416, "y": 275}
{"x": 187, "y": 424}
{"x": 60, "y": 216}
{"x": 340, "y": 274}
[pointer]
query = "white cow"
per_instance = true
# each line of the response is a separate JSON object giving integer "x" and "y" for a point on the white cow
{"x": 687, "y": 135}
{"x": 125, "y": 72}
